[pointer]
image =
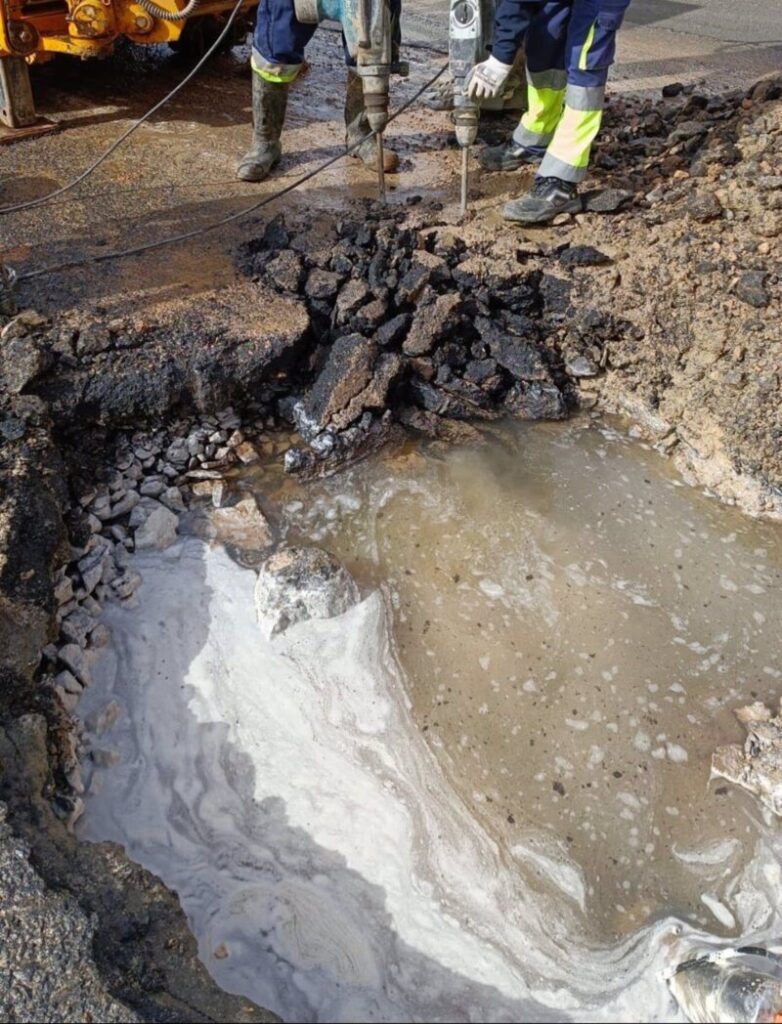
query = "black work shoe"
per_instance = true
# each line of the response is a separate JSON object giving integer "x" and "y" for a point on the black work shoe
{"x": 508, "y": 157}
{"x": 546, "y": 198}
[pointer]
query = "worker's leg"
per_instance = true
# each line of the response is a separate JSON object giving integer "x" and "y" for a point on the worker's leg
{"x": 591, "y": 47}
{"x": 545, "y": 46}
{"x": 591, "y": 50}
{"x": 277, "y": 56}
{"x": 356, "y": 123}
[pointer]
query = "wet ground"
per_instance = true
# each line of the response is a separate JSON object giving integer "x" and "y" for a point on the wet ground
{"x": 493, "y": 772}
{"x": 177, "y": 171}
{"x": 576, "y": 627}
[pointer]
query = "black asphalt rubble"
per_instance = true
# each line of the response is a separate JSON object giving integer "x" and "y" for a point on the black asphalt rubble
{"x": 358, "y": 329}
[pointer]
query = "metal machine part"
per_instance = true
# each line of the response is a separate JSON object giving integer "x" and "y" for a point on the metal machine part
{"x": 743, "y": 984}
{"x": 368, "y": 30}
{"x": 470, "y": 26}
{"x": 34, "y": 31}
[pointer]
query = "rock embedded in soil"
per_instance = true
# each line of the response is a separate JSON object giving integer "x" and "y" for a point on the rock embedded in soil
{"x": 751, "y": 288}
{"x": 607, "y": 200}
{"x": 704, "y": 207}
{"x": 158, "y": 531}
{"x": 583, "y": 256}
{"x": 757, "y": 765}
{"x": 298, "y": 584}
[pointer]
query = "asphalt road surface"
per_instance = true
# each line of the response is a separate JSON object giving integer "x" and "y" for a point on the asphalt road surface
{"x": 721, "y": 43}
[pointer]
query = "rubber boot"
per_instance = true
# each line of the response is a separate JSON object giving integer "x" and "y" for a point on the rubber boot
{"x": 358, "y": 126}
{"x": 270, "y": 100}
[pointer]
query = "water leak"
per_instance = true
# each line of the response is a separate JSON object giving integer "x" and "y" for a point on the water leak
{"x": 484, "y": 793}
{"x": 576, "y": 627}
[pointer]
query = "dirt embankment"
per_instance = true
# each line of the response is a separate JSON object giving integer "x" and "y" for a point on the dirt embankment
{"x": 664, "y": 301}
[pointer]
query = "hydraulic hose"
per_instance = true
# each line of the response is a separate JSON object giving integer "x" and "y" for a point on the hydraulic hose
{"x": 163, "y": 15}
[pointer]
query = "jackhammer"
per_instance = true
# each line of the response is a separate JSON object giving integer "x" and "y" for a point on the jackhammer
{"x": 368, "y": 29}
{"x": 470, "y": 27}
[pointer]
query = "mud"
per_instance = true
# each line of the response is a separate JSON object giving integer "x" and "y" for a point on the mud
{"x": 667, "y": 309}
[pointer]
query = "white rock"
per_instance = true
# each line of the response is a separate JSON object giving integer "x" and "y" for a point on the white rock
{"x": 99, "y": 721}
{"x": 68, "y": 681}
{"x": 124, "y": 505}
{"x": 68, "y": 700}
{"x": 297, "y": 584}
{"x": 126, "y": 585}
{"x": 158, "y": 531}
{"x": 76, "y": 661}
{"x": 247, "y": 453}
{"x": 172, "y": 498}
{"x": 153, "y": 487}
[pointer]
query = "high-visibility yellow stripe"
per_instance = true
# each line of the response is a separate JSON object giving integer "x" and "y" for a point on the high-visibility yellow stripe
{"x": 270, "y": 76}
{"x": 544, "y": 109}
{"x": 582, "y": 60}
{"x": 575, "y": 134}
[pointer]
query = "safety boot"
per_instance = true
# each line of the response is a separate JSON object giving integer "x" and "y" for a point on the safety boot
{"x": 509, "y": 156}
{"x": 270, "y": 100}
{"x": 547, "y": 198}
{"x": 357, "y": 127}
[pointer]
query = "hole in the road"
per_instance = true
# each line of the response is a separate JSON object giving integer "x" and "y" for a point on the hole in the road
{"x": 483, "y": 792}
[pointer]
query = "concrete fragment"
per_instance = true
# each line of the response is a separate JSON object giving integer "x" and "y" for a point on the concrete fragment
{"x": 77, "y": 662}
{"x": 242, "y": 525}
{"x": 297, "y": 584}
{"x": 158, "y": 531}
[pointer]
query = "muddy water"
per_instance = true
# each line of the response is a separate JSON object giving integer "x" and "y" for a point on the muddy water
{"x": 576, "y": 627}
{"x": 483, "y": 793}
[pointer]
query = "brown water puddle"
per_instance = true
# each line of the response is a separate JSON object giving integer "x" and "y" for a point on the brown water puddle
{"x": 576, "y": 627}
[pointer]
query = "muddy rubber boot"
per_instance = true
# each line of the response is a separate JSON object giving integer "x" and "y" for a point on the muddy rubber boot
{"x": 270, "y": 100}
{"x": 357, "y": 127}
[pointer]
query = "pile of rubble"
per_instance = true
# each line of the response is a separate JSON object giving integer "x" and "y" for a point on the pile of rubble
{"x": 411, "y": 326}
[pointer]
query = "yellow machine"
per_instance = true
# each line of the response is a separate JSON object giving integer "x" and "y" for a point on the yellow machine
{"x": 32, "y": 31}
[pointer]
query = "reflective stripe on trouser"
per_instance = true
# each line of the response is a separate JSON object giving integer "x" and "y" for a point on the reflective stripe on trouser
{"x": 567, "y": 156}
{"x": 273, "y": 72}
{"x": 545, "y": 97}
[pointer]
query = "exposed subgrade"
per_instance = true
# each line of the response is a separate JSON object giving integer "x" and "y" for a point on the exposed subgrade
{"x": 118, "y": 433}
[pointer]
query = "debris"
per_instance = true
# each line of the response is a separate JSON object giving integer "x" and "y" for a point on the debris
{"x": 757, "y": 766}
{"x": 242, "y": 525}
{"x": 158, "y": 531}
{"x": 297, "y": 584}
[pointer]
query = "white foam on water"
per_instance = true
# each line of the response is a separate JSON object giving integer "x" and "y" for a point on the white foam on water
{"x": 523, "y": 864}
{"x": 283, "y": 791}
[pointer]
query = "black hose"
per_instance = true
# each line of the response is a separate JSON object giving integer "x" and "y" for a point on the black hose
{"x": 163, "y": 15}
{"x": 231, "y": 217}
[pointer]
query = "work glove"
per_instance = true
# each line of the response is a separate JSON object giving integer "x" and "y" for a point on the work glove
{"x": 487, "y": 79}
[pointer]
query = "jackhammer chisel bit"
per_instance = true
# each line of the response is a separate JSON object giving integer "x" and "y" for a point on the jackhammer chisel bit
{"x": 381, "y": 168}
{"x": 465, "y": 178}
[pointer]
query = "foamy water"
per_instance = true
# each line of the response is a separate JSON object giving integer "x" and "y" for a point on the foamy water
{"x": 340, "y": 856}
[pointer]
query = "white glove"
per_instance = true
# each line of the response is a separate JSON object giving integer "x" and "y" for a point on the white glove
{"x": 487, "y": 79}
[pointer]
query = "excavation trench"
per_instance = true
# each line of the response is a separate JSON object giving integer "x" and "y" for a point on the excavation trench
{"x": 483, "y": 792}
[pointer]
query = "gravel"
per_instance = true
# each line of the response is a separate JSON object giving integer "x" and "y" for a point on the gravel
{"x": 46, "y": 967}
